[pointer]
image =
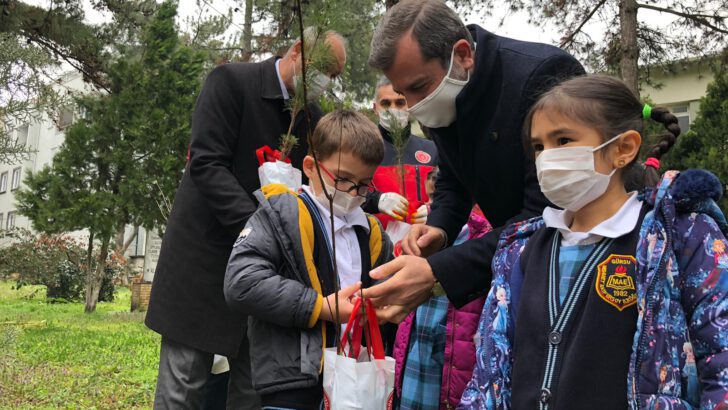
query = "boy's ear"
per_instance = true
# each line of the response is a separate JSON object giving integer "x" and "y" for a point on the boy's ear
{"x": 308, "y": 166}
{"x": 627, "y": 148}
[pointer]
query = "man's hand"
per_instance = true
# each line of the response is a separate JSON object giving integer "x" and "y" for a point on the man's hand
{"x": 393, "y": 314}
{"x": 328, "y": 312}
{"x": 423, "y": 240}
{"x": 410, "y": 285}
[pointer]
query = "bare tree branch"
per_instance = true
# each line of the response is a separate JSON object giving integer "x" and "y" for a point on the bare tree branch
{"x": 697, "y": 18}
{"x": 566, "y": 41}
{"x": 94, "y": 77}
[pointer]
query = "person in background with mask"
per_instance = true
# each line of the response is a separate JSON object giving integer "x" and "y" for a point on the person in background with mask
{"x": 470, "y": 90}
{"x": 241, "y": 107}
{"x": 393, "y": 199}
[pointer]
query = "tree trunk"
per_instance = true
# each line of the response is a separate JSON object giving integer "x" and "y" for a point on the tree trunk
{"x": 284, "y": 19}
{"x": 119, "y": 238}
{"x": 121, "y": 248}
{"x": 629, "y": 58}
{"x": 89, "y": 271}
{"x": 248, "y": 31}
{"x": 96, "y": 277}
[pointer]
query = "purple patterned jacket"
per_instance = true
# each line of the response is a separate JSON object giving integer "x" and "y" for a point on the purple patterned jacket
{"x": 680, "y": 351}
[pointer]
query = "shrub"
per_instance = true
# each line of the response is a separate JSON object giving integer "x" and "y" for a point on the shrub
{"x": 56, "y": 261}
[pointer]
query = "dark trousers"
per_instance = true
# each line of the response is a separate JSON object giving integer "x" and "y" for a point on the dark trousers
{"x": 184, "y": 371}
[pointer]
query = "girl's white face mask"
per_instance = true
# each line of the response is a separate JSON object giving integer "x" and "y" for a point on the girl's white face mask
{"x": 568, "y": 178}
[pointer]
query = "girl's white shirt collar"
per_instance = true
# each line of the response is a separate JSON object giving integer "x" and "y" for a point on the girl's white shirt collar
{"x": 619, "y": 224}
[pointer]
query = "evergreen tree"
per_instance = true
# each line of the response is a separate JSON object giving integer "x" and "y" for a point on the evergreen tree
{"x": 706, "y": 144}
{"x": 127, "y": 153}
{"x": 699, "y": 29}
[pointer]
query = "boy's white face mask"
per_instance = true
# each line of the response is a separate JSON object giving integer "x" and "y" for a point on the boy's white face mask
{"x": 567, "y": 176}
{"x": 344, "y": 203}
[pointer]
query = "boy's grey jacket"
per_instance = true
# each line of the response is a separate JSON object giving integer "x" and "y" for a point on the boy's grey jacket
{"x": 272, "y": 279}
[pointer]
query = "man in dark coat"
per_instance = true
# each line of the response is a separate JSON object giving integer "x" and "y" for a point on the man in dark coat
{"x": 471, "y": 90}
{"x": 242, "y": 107}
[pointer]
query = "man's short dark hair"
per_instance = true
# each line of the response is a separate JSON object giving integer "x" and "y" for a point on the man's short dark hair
{"x": 434, "y": 25}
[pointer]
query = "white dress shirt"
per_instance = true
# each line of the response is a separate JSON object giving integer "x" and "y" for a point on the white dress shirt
{"x": 621, "y": 223}
{"x": 284, "y": 90}
{"x": 348, "y": 252}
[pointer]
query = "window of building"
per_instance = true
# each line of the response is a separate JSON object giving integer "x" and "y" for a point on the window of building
{"x": 21, "y": 136}
{"x": 1, "y": 221}
{"x": 15, "y": 182}
{"x": 683, "y": 117}
{"x": 65, "y": 117}
{"x": 11, "y": 220}
{"x": 3, "y": 182}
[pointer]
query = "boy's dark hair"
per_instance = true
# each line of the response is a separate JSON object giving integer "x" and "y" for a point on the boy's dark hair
{"x": 608, "y": 105}
{"x": 348, "y": 131}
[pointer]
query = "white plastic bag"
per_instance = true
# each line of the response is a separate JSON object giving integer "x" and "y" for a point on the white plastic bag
{"x": 280, "y": 172}
{"x": 397, "y": 230}
{"x": 363, "y": 384}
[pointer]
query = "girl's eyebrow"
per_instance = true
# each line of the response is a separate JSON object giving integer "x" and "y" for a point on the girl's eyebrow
{"x": 559, "y": 131}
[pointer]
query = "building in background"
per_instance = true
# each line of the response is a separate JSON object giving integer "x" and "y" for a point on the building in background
{"x": 43, "y": 137}
{"x": 680, "y": 89}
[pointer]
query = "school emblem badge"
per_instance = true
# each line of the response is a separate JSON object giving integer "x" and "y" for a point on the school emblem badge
{"x": 615, "y": 281}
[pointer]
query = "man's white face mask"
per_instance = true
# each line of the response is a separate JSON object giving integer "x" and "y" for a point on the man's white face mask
{"x": 392, "y": 116}
{"x": 438, "y": 109}
{"x": 318, "y": 85}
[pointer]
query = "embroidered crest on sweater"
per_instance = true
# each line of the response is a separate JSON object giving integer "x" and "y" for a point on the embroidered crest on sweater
{"x": 615, "y": 281}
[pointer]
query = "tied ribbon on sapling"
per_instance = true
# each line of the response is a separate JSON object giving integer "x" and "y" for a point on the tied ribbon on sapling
{"x": 268, "y": 154}
{"x": 276, "y": 168}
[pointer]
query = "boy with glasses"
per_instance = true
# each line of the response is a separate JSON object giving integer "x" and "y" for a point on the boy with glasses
{"x": 281, "y": 270}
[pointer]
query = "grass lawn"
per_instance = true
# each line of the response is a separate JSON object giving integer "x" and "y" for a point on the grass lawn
{"x": 55, "y": 356}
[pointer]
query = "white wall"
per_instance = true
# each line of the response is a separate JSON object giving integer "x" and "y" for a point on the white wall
{"x": 681, "y": 91}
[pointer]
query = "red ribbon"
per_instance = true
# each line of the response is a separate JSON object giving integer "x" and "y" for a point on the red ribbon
{"x": 375, "y": 346}
{"x": 267, "y": 154}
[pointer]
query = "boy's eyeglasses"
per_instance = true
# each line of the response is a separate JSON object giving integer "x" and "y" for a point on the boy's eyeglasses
{"x": 345, "y": 185}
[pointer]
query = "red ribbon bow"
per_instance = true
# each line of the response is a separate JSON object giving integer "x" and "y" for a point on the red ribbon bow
{"x": 267, "y": 154}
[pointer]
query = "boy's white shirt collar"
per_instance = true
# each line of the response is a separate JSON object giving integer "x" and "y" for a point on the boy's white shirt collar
{"x": 355, "y": 217}
{"x": 621, "y": 223}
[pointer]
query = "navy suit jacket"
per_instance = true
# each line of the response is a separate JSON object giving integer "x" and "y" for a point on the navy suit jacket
{"x": 482, "y": 158}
